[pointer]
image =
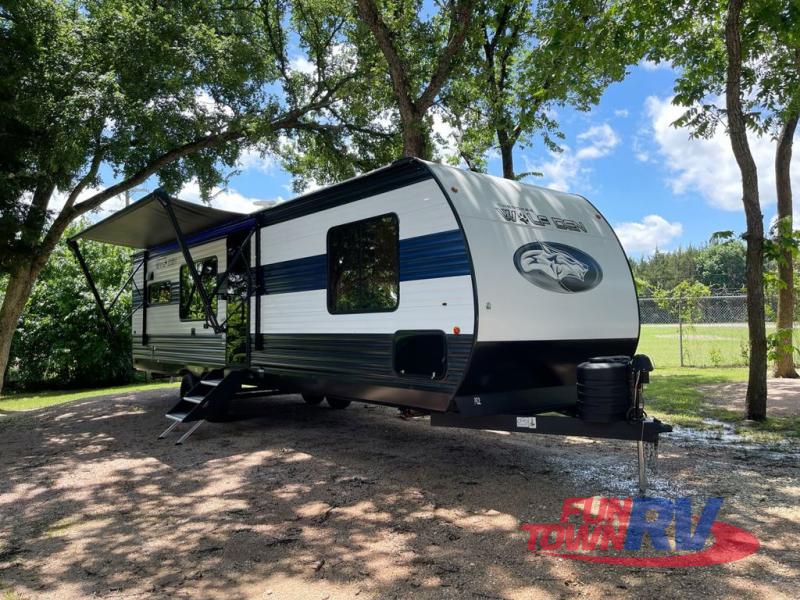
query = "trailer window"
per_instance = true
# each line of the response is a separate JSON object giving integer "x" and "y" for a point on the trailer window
{"x": 159, "y": 292}
{"x": 191, "y": 305}
{"x": 363, "y": 266}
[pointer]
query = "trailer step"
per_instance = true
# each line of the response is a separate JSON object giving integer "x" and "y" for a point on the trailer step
{"x": 207, "y": 400}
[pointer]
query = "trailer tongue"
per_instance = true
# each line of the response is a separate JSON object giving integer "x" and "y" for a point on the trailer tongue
{"x": 610, "y": 405}
{"x": 642, "y": 432}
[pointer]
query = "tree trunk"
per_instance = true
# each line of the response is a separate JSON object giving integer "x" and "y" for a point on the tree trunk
{"x": 18, "y": 290}
{"x": 415, "y": 139}
{"x": 506, "y": 153}
{"x": 784, "y": 363}
{"x": 737, "y": 131}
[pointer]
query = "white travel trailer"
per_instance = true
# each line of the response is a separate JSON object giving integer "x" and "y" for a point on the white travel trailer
{"x": 417, "y": 285}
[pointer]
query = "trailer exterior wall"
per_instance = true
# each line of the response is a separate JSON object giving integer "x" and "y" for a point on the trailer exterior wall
{"x": 173, "y": 344}
{"x": 521, "y": 311}
{"x": 352, "y": 353}
{"x": 530, "y": 338}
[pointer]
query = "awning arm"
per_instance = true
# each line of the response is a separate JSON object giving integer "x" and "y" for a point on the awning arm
{"x": 73, "y": 245}
{"x": 232, "y": 261}
{"x": 124, "y": 285}
{"x": 238, "y": 255}
{"x": 211, "y": 318}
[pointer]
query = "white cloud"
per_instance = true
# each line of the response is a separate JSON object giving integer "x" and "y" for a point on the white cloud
{"x": 302, "y": 64}
{"x": 621, "y": 113}
{"x": 650, "y": 65}
{"x": 207, "y": 104}
{"x": 225, "y": 199}
{"x": 561, "y": 172}
{"x": 253, "y": 160}
{"x": 108, "y": 207}
{"x": 445, "y": 141}
{"x": 707, "y": 166}
{"x": 567, "y": 170}
{"x": 643, "y": 237}
{"x": 599, "y": 141}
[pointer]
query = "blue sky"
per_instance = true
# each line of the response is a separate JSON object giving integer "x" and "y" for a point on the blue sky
{"x": 657, "y": 187}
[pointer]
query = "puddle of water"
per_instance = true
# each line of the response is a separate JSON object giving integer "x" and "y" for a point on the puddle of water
{"x": 724, "y": 436}
{"x": 616, "y": 473}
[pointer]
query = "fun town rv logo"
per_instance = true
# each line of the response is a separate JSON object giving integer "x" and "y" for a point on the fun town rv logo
{"x": 613, "y": 530}
{"x": 557, "y": 267}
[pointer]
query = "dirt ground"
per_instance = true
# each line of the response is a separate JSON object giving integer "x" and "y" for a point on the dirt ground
{"x": 784, "y": 396}
{"x": 308, "y": 502}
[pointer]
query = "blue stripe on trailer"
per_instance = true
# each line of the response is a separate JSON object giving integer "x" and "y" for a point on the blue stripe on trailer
{"x": 299, "y": 275}
{"x": 430, "y": 256}
{"x": 434, "y": 255}
{"x": 206, "y": 235}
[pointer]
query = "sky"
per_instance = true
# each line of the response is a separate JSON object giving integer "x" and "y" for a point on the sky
{"x": 656, "y": 186}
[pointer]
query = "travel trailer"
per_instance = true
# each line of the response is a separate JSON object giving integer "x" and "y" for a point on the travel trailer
{"x": 417, "y": 285}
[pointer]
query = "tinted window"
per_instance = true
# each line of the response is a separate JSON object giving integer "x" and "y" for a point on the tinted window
{"x": 363, "y": 266}
{"x": 191, "y": 304}
{"x": 159, "y": 292}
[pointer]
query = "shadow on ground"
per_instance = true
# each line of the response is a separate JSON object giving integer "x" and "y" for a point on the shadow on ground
{"x": 308, "y": 502}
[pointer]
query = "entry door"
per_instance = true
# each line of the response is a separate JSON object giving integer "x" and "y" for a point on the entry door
{"x": 237, "y": 348}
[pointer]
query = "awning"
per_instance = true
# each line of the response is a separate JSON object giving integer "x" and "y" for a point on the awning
{"x": 145, "y": 223}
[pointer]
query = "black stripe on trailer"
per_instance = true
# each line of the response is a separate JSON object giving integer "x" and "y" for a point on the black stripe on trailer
{"x": 359, "y": 366}
{"x": 526, "y": 364}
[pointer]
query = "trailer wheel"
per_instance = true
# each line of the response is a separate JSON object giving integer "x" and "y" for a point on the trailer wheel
{"x": 188, "y": 381}
{"x": 337, "y": 403}
{"x": 312, "y": 399}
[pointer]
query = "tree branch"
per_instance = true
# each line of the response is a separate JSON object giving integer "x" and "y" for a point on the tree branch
{"x": 460, "y": 20}
{"x": 368, "y": 12}
{"x": 94, "y": 167}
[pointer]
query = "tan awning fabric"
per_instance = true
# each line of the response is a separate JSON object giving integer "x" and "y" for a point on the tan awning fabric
{"x": 145, "y": 223}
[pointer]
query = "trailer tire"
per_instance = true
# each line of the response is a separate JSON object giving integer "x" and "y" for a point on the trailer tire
{"x": 188, "y": 381}
{"x": 337, "y": 403}
{"x": 312, "y": 399}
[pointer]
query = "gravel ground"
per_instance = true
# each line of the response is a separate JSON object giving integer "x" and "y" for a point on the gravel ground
{"x": 308, "y": 502}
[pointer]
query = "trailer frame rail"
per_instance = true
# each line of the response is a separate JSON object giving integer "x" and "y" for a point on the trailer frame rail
{"x": 641, "y": 432}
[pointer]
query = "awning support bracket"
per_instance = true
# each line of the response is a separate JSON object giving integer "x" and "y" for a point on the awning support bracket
{"x": 211, "y": 318}
{"x": 73, "y": 245}
{"x": 104, "y": 311}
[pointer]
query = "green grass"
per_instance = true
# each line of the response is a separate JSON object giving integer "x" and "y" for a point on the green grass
{"x": 33, "y": 400}
{"x": 703, "y": 345}
{"x": 674, "y": 397}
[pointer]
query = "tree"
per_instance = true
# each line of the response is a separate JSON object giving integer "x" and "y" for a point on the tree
{"x": 419, "y": 57}
{"x": 705, "y": 41}
{"x": 721, "y": 265}
{"x": 60, "y": 341}
{"x": 683, "y": 301}
{"x": 779, "y": 92}
{"x": 756, "y": 398}
{"x": 667, "y": 269}
{"x": 526, "y": 59}
{"x": 125, "y": 90}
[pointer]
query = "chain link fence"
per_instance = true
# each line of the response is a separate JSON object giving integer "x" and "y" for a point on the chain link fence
{"x": 706, "y": 331}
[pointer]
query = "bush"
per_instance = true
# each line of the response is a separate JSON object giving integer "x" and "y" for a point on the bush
{"x": 62, "y": 340}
